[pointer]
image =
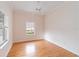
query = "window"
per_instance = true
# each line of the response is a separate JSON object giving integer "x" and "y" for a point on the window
{"x": 30, "y": 29}
{"x": 3, "y": 28}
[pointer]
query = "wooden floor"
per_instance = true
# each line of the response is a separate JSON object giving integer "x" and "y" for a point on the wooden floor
{"x": 38, "y": 49}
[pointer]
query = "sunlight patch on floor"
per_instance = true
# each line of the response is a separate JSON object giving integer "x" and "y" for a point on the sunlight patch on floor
{"x": 31, "y": 49}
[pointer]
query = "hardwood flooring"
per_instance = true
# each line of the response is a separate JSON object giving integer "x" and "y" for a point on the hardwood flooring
{"x": 40, "y": 48}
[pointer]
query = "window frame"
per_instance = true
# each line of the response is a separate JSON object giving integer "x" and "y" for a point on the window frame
{"x": 31, "y": 27}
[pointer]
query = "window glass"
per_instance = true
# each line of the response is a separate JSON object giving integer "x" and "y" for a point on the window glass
{"x": 30, "y": 28}
{"x": 3, "y": 28}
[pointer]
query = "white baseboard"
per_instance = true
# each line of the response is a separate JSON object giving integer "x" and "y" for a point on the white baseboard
{"x": 62, "y": 47}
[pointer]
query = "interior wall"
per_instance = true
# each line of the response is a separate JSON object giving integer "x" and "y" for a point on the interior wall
{"x": 62, "y": 27}
{"x": 4, "y": 7}
{"x": 20, "y": 19}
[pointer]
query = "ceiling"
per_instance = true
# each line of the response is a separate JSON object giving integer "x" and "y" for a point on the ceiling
{"x": 44, "y": 5}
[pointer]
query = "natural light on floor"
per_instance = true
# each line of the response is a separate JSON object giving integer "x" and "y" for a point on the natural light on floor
{"x": 31, "y": 49}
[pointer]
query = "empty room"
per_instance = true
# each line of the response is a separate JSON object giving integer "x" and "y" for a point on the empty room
{"x": 39, "y": 28}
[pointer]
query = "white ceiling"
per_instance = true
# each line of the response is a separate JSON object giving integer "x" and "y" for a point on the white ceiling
{"x": 45, "y": 5}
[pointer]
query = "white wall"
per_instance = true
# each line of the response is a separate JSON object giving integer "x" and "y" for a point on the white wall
{"x": 8, "y": 17}
{"x": 19, "y": 24}
{"x": 62, "y": 27}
